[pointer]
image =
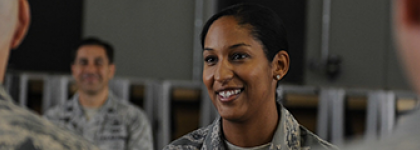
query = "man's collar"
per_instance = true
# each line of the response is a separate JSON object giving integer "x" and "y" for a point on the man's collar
{"x": 107, "y": 106}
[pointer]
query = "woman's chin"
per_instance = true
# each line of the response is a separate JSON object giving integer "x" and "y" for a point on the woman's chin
{"x": 231, "y": 116}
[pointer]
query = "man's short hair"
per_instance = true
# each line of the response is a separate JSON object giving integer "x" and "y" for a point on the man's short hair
{"x": 109, "y": 50}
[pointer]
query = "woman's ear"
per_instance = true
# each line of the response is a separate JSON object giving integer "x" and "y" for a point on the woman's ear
{"x": 280, "y": 64}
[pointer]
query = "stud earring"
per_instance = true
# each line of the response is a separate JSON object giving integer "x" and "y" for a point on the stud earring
{"x": 278, "y": 77}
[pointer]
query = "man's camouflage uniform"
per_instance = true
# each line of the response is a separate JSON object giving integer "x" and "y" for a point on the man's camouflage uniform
{"x": 117, "y": 125}
{"x": 289, "y": 135}
{"x": 21, "y": 129}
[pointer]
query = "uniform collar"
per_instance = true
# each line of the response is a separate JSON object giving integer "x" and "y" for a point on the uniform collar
{"x": 287, "y": 133}
{"x": 286, "y": 136}
{"x": 108, "y": 106}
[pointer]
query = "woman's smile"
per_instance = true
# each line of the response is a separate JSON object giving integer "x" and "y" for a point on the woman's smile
{"x": 229, "y": 94}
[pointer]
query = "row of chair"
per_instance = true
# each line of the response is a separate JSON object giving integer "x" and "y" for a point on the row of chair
{"x": 158, "y": 100}
{"x": 157, "y": 97}
{"x": 381, "y": 109}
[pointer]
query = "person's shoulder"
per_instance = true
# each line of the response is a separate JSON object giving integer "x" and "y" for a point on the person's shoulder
{"x": 20, "y": 128}
{"x": 133, "y": 115}
{"x": 192, "y": 140}
{"x": 309, "y": 139}
{"x": 128, "y": 108}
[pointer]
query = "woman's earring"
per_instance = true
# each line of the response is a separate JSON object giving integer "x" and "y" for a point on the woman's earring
{"x": 278, "y": 77}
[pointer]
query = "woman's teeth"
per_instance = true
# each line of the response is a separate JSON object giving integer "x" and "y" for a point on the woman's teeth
{"x": 229, "y": 93}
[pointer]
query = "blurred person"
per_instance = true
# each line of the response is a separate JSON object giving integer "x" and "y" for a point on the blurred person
{"x": 406, "y": 25}
{"x": 245, "y": 55}
{"x": 94, "y": 111}
{"x": 21, "y": 129}
{"x": 407, "y": 35}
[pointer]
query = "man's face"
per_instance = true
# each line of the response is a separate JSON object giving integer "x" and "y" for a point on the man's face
{"x": 92, "y": 69}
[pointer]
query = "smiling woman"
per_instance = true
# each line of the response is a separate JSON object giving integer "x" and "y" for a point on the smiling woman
{"x": 245, "y": 55}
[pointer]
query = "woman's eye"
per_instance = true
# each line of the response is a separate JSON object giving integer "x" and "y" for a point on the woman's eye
{"x": 210, "y": 60}
{"x": 239, "y": 56}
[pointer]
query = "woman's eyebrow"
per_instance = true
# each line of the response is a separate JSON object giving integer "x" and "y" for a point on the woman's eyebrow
{"x": 230, "y": 47}
{"x": 238, "y": 45}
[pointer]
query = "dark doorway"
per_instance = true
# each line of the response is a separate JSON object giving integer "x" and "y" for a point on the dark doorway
{"x": 56, "y": 26}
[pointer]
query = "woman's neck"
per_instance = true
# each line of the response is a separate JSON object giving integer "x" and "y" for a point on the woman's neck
{"x": 257, "y": 130}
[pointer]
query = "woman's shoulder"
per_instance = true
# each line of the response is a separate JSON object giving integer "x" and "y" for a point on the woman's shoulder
{"x": 192, "y": 140}
{"x": 309, "y": 139}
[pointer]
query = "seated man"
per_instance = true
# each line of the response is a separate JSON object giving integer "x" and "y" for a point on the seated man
{"x": 94, "y": 112}
{"x": 21, "y": 129}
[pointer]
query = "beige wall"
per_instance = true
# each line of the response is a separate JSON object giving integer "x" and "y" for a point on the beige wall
{"x": 152, "y": 38}
{"x": 361, "y": 33}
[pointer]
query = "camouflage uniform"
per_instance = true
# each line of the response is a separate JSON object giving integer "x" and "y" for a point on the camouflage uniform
{"x": 289, "y": 135}
{"x": 117, "y": 125}
{"x": 22, "y": 130}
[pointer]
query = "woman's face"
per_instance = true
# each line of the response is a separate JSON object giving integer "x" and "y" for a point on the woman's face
{"x": 239, "y": 78}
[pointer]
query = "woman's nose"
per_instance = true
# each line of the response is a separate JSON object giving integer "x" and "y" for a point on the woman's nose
{"x": 223, "y": 72}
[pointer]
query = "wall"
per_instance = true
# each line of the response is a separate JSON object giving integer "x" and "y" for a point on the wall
{"x": 361, "y": 34}
{"x": 152, "y": 38}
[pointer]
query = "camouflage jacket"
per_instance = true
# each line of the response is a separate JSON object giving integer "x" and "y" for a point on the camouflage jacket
{"x": 118, "y": 125}
{"x": 21, "y": 129}
{"x": 289, "y": 135}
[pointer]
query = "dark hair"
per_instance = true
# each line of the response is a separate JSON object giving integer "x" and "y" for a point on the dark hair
{"x": 109, "y": 50}
{"x": 266, "y": 26}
